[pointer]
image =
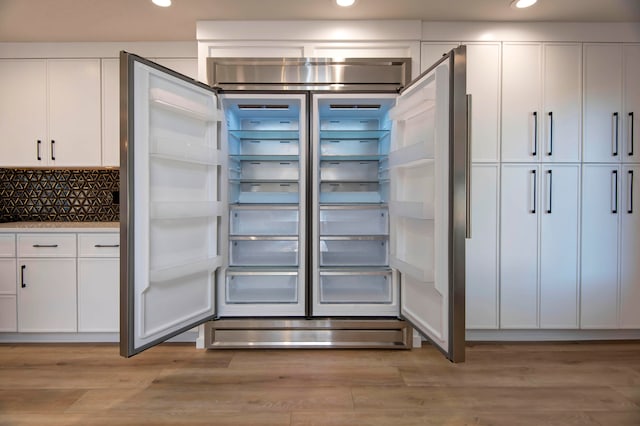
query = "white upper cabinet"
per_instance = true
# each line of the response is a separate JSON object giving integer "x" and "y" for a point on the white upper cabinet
{"x": 562, "y": 97}
{"x": 602, "y": 103}
{"x": 541, "y": 102}
{"x": 23, "y": 112}
{"x": 521, "y": 101}
{"x": 110, "y": 112}
{"x": 631, "y": 95}
{"x": 50, "y": 112}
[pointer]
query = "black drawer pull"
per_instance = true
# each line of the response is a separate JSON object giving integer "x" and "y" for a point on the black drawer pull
{"x": 106, "y": 245}
{"x": 45, "y": 245}
{"x": 22, "y": 283}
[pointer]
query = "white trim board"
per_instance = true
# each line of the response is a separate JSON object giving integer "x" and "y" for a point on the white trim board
{"x": 169, "y": 49}
{"x": 549, "y": 335}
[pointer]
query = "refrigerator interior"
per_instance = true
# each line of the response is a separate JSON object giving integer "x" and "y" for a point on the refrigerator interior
{"x": 265, "y": 146}
{"x": 351, "y": 141}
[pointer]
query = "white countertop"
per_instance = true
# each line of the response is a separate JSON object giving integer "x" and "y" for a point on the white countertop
{"x": 60, "y": 227}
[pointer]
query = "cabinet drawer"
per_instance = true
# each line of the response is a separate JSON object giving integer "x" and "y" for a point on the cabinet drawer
{"x": 7, "y": 245}
{"x": 46, "y": 245}
{"x": 99, "y": 245}
{"x": 8, "y": 314}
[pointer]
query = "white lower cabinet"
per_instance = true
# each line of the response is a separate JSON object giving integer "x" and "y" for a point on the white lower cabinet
{"x": 630, "y": 247}
{"x": 482, "y": 249}
{"x": 601, "y": 212}
{"x": 47, "y": 295}
{"x": 98, "y": 294}
{"x": 539, "y": 246}
{"x": 8, "y": 311}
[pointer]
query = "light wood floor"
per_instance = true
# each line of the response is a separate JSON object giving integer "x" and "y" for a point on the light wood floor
{"x": 500, "y": 384}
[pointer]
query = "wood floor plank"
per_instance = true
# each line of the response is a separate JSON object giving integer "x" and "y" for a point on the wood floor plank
{"x": 281, "y": 376}
{"x": 37, "y": 400}
{"x": 616, "y": 418}
{"x": 492, "y": 398}
{"x": 474, "y": 375}
{"x": 432, "y": 417}
{"x": 52, "y": 377}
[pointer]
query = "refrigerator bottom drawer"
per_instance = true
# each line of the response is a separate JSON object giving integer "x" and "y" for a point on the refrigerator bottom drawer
{"x": 353, "y": 288}
{"x": 263, "y": 253}
{"x": 353, "y": 253}
{"x": 267, "y": 288}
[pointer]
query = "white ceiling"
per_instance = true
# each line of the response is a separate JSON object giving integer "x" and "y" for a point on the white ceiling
{"x": 140, "y": 20}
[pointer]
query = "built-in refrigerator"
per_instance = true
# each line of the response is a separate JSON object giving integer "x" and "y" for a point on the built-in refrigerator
{"x": 314, "y": 208}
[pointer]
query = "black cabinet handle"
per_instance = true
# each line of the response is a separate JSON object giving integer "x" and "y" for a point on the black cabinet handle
{"x": 631, "y": 137}
{"x": 22, "y": 283}
{"x": 45, "y": 245}
{"x": 38, "y": 150}
{"x": 550, "y": 174}
{"x": 630, "y": 209}
{"x": 106, "y": 245}
{"x": 53, "y": 150}
{"x": 614, "y": 210}
{"x": 535, "y": 133}
{"x": 535, "y": 189}
{"x": 616, "y": 116}
{"x": 550, "y": 152}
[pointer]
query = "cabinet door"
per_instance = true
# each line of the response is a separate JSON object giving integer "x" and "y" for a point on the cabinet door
{"x": 559, "y": 246}
{"x": 23, "y": 113}
{"x": 600, "y": 212}
{"x": 631, "y": 103}
{"x": 98, "y": 295}
{"x": 520, "y": 192}
{"x": 47, "y": 295}
{"x": 562, "y": 98}
{"x": 110, "y": 113}
{"x": 602, "y": 102}
{"x": 630, "y": 247}
{"x": 483, "y": 83}
{"x": 74, "y": 112}
{"x": 482, "y": 249}
{"x": 185, "y": 66}
{"x": 521, "y": 110}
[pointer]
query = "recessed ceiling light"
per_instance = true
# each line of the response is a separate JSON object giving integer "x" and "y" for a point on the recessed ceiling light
{"x": 162, "y": 3}
{"x": 521, "y": 4}
{"x": 345, "y": 3}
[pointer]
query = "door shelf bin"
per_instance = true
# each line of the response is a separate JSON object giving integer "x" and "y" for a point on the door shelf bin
{"x": 263, "y": 252}
{"x": 262, "y": 287}
{"x": 263, "y": 221}
{"x": 264, "y": 192}
{"x": 356, "y": 287}
{"x": 354, "y": 221}
{"x": 349, "y": 171}
{"x": 353, "y": 252}
{"x": 353, "y": 192}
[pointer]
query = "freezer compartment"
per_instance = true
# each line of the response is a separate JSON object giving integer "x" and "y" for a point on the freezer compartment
{"x": 349, "y": 171}
{"x": 263, "y": 221}
{"x": 264, "y": 193}
{"x": 359, "y": 287}
{"x": 345, "y": 251}
{"x": 353, "y": 192}
{"x": 350, "y": 221}
{"x": 250, "y": 251}
{"x": 264, "y": 170}
{"x": 261, "y": 287}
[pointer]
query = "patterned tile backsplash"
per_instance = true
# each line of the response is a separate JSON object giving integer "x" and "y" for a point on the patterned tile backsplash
{"x": 59, "y": 195}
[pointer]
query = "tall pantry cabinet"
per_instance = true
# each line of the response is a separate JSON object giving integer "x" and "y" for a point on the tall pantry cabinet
{"x": 541, "y": 97}
{"x": 610, "y": 274}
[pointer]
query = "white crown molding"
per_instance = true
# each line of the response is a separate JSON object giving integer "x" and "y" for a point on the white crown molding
{"x": 169, "y": 49}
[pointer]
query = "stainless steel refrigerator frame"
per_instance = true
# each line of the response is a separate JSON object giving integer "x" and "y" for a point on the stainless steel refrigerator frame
{"x": 459, "y": 215}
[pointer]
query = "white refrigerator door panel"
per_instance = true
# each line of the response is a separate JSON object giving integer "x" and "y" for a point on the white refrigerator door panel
{"x": 428, "y": 282}
{"x": 171, "y": 202}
